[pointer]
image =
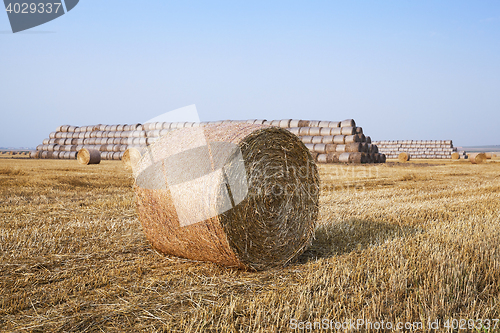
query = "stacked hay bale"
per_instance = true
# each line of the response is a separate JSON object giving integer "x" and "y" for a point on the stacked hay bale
{"x": 328, "y": 141}
{"x": 417, "y": 149}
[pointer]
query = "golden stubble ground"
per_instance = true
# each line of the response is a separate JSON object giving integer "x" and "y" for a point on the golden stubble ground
{"x": 395, "y": 242}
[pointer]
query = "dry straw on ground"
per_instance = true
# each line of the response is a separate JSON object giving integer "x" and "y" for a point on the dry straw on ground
{"x": 395, "y": 242}
{"x": 271, "y": 226}
{"x": 89, "y": 156}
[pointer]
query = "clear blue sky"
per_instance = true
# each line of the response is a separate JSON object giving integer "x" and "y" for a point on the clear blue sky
{"x": 401, "y": 69}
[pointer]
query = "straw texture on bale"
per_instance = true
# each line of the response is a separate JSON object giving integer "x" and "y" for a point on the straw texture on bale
{"x": 89, "y": 156}
{"x": 455, "y": 156}
{"x": 272, "y": 224}
{"x": 488, "y": 155}
{"x": 477, "y": 158}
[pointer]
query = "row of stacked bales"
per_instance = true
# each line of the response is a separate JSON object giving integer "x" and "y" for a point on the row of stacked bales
{"x": 418, "y": 149}
{"x": 328, "y": 141}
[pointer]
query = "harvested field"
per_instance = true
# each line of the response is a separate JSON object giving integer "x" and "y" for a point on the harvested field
{"x": 399, "y": 242}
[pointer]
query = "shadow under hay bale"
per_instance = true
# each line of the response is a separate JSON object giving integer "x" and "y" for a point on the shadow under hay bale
{"x": 271, "y": 215}
{"x": 353, "y": 235}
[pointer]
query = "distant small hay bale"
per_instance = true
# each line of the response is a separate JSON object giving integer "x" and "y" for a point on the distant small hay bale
{"x": 130, "y": 157}
{"x": 368, "y": 139}
{"x": 330, "y": 148}
{"x": 327, "y": 139}
{"x": 303, "y": 123}
{"x": 339, "y": 139}
{"x": 455, "y": 156}
{"x": 89, "y": 156}
{"x": 348, "y": 123}
{"x": 314, "y": 131}
{"x": 317, "y": 139}
{"x": 352, "y": 138}
{"x": 403, "y": 157}
{"x": 354, "y": 147}
{"x": 307, "y": 139}
{"x": 477, "y": 158}
{"x": 344, "y": 157}
{"x": 284, "y": 123}
{"x": 260, "y": 229}
{"x": 304, "y": 131}
{"x": 488, "y": 155}
{"x": 348, "y": 130}
{"x": 322, "y": 158}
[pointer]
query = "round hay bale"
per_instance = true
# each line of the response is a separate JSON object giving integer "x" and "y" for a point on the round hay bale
{"x": 340, "y": 148}
{"x": 383, "y": 158}
{"x": 322, "y": 158}
{"x": 364, "y": 147}
{"x": 348, "y": 123}
{"x": 344, "y": 157}
{"x": 359, "y": 130}
{"x": 89, "y": 156}
{"x": 334, "y": 124}
{"x": 354, "y": 147}
{"x": 307, "y": 139}
{"x": 455, "y": 156}
{"x": 348, "y": 130}
{"x": 34, "y": 154}
{"x": 314, "y": 123}
{"x": 317, "y": 139}
{"x": 294, "y": 123}
{"x": 327, "y": 139}
{"x": 294, "y": 130}
{"x": 324, "y": 123}
{"x": 332, "y": 158}
{"x": 130, "y": 157}
{"x": 351, "y": 138}
{"x": 339, "y": 139}
{"x": 309, "y": 146}
{"x": 361, "y": 137}
{"x": 403, "y": 157}
{"x": 267, "y": 224}
{"x": 336, "y": 131}
{"x": 314, "y": 131}
{"x": 368, "y": 139}
{"x": 303, "y": 131}
{"x": 285, "y": 123}
{"x": 330, "y": 148}
{"x": 356, "y": 157}
{"x": 303, "y": 123}
{"x": 275, "y": 123}
{"x": 319, "y": 148}
{"x": 324, "y": 131}
{"x": 477, "y": 158}
{"x": 488, "y": 155}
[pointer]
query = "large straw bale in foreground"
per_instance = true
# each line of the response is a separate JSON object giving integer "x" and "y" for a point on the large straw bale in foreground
{"x": 263, "y": 221}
